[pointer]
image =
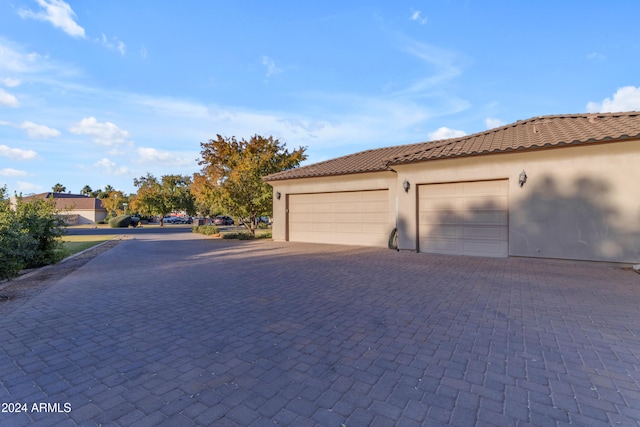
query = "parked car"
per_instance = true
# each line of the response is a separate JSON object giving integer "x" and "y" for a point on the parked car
{"x": 177, "y": 220}
{"x": 223, "y": 220}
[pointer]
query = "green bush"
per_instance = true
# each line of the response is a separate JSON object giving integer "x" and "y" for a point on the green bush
{"x": 239, "y": 236}
{"x": 120, "y": 221}
{"x": 266, "y": 235}
{"x": 29, "y": 235}
{"x": 207, "y": 230}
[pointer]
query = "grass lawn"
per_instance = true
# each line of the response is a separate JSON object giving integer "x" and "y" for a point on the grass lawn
{"x": 74, "y": 244}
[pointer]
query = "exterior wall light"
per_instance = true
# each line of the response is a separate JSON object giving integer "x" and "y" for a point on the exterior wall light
{"x": 522, "y": 178}
{"x": 406, "y": 186}
{"x": 278, "y": 195}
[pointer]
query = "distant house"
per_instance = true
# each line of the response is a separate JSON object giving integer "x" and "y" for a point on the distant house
{"x": 563, "y": 186}
{"x": 75, "y": 208}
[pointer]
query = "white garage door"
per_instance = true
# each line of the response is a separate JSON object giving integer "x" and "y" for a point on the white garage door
{"x": 352, "y": 218}
{"x": 465, "y": 218}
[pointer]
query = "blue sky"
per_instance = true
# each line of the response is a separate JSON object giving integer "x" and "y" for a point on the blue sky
{"x": 98, "y": 93}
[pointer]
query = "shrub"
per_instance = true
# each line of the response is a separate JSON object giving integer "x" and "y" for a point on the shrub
{"x": 239, "y": 236}
{"x": 16, "y": 246}
{"x": 29, "y": 235}
{"x": 120, "y": 221}
{"x": 40, "y": 221}
{"x": 266, "y": 235}
{"x": 207, "y": 230}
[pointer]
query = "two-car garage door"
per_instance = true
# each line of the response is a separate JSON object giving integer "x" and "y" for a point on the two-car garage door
{"x": 350, "y": 217}
{"x": 464, "y": 218}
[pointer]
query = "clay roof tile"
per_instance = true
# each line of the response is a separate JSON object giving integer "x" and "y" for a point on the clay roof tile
{"x": 523, "y": 135}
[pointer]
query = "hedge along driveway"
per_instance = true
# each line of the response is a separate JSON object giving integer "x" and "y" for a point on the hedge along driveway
{"x": 187, "y": 330}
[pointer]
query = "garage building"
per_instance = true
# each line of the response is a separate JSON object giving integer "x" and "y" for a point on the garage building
{"x": 564, "y": 186}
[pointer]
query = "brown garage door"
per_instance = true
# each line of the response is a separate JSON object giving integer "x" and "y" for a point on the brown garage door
{"x": 465, "y": 218}
{"x": 352, "y": 218}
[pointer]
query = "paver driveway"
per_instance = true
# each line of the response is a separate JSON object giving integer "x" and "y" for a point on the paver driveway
{"x": 182, "y": 330}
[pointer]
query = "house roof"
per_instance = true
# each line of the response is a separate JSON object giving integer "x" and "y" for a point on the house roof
{"x": 523, "y": 135}
{"x": 69, "y": 201}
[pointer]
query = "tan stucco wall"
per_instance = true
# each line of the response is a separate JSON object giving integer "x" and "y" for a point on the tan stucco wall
{"x": 578, "y": 202}
{"x": 358, "y": 182}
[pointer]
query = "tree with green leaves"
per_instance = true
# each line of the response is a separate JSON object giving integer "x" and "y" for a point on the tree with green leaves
{"x": 86, "y": 190}
{"x": 114, "y": 201}
{"x": 161, "y": 197}
{"x": 59, "y": 188}
{"x": 231, "y": 177}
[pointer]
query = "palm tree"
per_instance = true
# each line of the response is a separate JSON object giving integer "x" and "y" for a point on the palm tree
{"x": 86, "y": 190}
{"x": 59, "y": 188}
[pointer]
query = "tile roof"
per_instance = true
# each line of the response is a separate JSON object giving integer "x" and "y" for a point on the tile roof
{"x": 523, "y": 135}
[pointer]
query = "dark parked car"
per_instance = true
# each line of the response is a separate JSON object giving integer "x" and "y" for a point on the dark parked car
{"x": 223, "y": 220}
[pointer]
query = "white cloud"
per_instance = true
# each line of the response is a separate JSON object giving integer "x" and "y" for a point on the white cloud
{"x": 172, "y": 107}
{"x": 58, "y": 13}
{"x": 27, "y": 187}
{"x": 416, "y": 16}
{"x": 110, "y": 168}
{"x": 8, "y": 172}
{"x": 143, "y": 52}
{"x": 15, "y": 60}
{"x": 445, "y": 133}
{"x": 270, "y": 64}
{"x": 152, "y": 155}
{"x": 596, "y": 56}
{"x": 36, "y": 131}
{"x": 8, "y": 100}
{"x": 493, "y": 123}
{"x": 113, "y": 44}
{"x": 11, "y": 82}
{"x": 625, "y": 99}
{"x": 17, "y": 153}
{"x": 148, "y": 154}
{"x": 445, "y": 65}
{"x": 103, "y": 133}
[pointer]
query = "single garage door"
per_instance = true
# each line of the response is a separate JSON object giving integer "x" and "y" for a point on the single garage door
{"x": 464, "y": 218}
{"x": 352, "y": 218}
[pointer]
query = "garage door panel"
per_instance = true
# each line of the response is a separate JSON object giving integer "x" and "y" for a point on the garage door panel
{"x": 443, "y": 246}
{"x": 440, "y": 191}
{"x": 495, "y": 188}
{"x": 487, "y": 217}
{"x": 356, "y": 218}
{"x": 468, "y": 218}
{"x": 445, "y": 231}
{"x": 486, "y": 232}
{"x": 439, "y": 218}
{"x": 483, "y": 248}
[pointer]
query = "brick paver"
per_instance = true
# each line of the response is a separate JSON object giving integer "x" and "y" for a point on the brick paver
{"x": 178, "y": 330}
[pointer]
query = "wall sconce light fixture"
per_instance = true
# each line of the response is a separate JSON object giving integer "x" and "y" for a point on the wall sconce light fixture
{"x": 278, "y": 195}
{"x": 522, "y": 178}
{"x": 406, "y": 186}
